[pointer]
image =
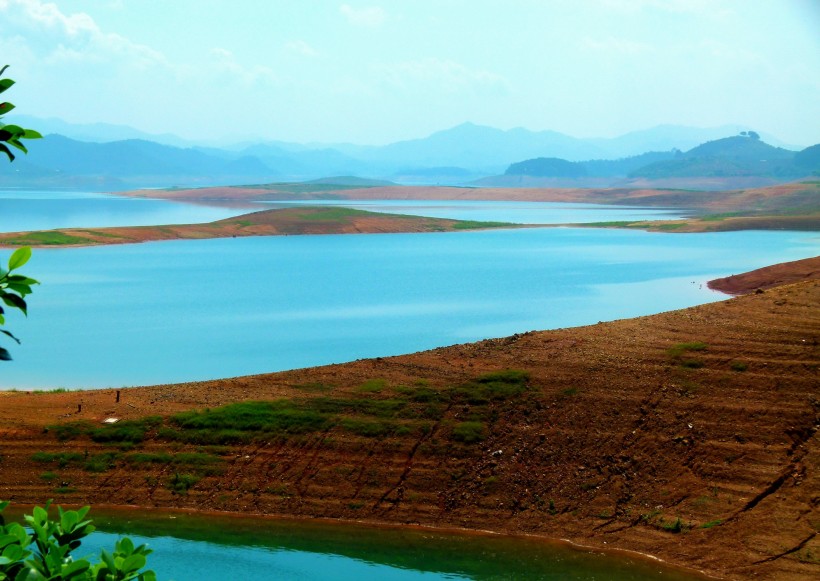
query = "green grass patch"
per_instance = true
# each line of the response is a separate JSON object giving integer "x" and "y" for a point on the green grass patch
{"x": 46, "y": 238}
{"x": 469, "y": 432}
{"x": 680, "y": 348}
{"x": 372, "y": 386}
{"x": 712, "y": 523}
{"x": 245, "y": 421}
{"x": 476, "y": 225}
{"x": 691, "y": 363}
{"x": 333, "y": 214}
{"x": 739, "y": 366}
{"x": 182, "y": 483}
{"x": 65, "y": 490}
{"x": 676, "y": 526}
{"x": 130, "y": 431}
{"x": 721, "y": 217}
{"x": 101, "y": 462}
{"x": 62, "y": 459}
{"x": 369, "y": 428}
{"x": 69, "y": 431}
{"x": 48, "y": 476}
{"x": 499, "y": 385}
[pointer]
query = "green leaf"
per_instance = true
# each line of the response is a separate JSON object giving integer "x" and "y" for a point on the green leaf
{"x": 16, "y": 302}
{"x": 20, "y": 279}
{"x": 74, "y": 569}
{"x": 21, "y": 289}
{"x": 4, "y": 355}
{"x": 8, "y": 333}
{"x": 19, "y": 257}
{"x": 5, "y": 84}
{"x": 32, "y": 134}
{"x": 16, "y": 143}
{"x": 13, "y": 130}
{"x": 133, "y": 563}
{"x": 7, "y": 151}
{"x": 5, "y": 108}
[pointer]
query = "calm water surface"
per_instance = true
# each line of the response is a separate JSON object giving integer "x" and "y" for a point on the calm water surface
{"x": 191, "y": 310}
{"x": 197, "y": 547}
{"x": 22, "y": 210}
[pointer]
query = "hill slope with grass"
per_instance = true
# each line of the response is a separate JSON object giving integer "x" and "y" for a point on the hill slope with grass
{"x": 279, "y": 222}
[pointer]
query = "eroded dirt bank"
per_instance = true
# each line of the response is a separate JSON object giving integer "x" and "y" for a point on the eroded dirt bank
{"x": 689, "y": 435}
{"x": 768, "y": 277}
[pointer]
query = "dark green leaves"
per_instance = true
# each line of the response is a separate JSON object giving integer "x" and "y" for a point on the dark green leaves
{"x": 54, "y": 539}
{"x": 13, "y": 289}
{"x": 12, "y": 134}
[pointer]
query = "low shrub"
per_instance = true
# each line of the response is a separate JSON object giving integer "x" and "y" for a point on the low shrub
{"x": 469, "y": 432}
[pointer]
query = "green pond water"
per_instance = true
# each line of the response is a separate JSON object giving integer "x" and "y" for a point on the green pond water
{"x": 190, "y": 546}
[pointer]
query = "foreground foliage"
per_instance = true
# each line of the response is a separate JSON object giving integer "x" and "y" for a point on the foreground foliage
{"x": 13, "y": 290}
{"x": 12, "y": 134}
{"x": 44, "y": 552}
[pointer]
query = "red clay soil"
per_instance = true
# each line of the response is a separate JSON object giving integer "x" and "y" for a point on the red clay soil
{"x": 278, "y": 222}
{"x": 689, "y": 435}
{"x": 768, "y": 277}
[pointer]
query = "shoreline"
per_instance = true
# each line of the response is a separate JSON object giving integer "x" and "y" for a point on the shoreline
{"x": 607, "y": 389}
{"x": 386, "y": 525}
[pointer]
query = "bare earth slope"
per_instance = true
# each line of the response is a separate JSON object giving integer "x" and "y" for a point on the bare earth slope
{"x": 768, "y": 277}
{"x": 689, "y": 435}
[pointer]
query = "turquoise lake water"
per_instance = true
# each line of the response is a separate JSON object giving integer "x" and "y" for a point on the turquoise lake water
{"x": 22, "y": 210}
{"x": 196, "y": 547}
{"x": 191, "y": 310}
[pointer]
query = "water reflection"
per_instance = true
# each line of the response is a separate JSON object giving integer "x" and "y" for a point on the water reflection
{"x": 193, "y": 546}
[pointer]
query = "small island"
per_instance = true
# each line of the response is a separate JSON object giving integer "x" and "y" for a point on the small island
{"x": 278, "y": 222}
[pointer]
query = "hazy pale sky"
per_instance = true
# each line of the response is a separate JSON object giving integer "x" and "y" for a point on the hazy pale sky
{"x": 373, "y": 72}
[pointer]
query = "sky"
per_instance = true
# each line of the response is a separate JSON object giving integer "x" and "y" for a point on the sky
{"x": 374, "y": 72}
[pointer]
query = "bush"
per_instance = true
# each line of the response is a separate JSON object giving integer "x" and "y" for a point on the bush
{"x": 681, "y": 348}
{"x": 469, "y": 432}
{"x": 45, "y": 552}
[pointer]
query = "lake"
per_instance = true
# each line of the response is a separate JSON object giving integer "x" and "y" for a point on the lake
{"x": 22, "y": 210}
{"x": 185, "y": 544}
{"x": 203, "y": 309}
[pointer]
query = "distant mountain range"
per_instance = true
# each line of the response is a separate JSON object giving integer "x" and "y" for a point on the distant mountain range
{"x": 103, "y": 156}
{"x": 739, "y": 156}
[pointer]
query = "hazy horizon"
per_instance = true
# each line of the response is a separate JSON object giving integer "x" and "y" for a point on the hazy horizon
{"x": 385, "y": 71}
